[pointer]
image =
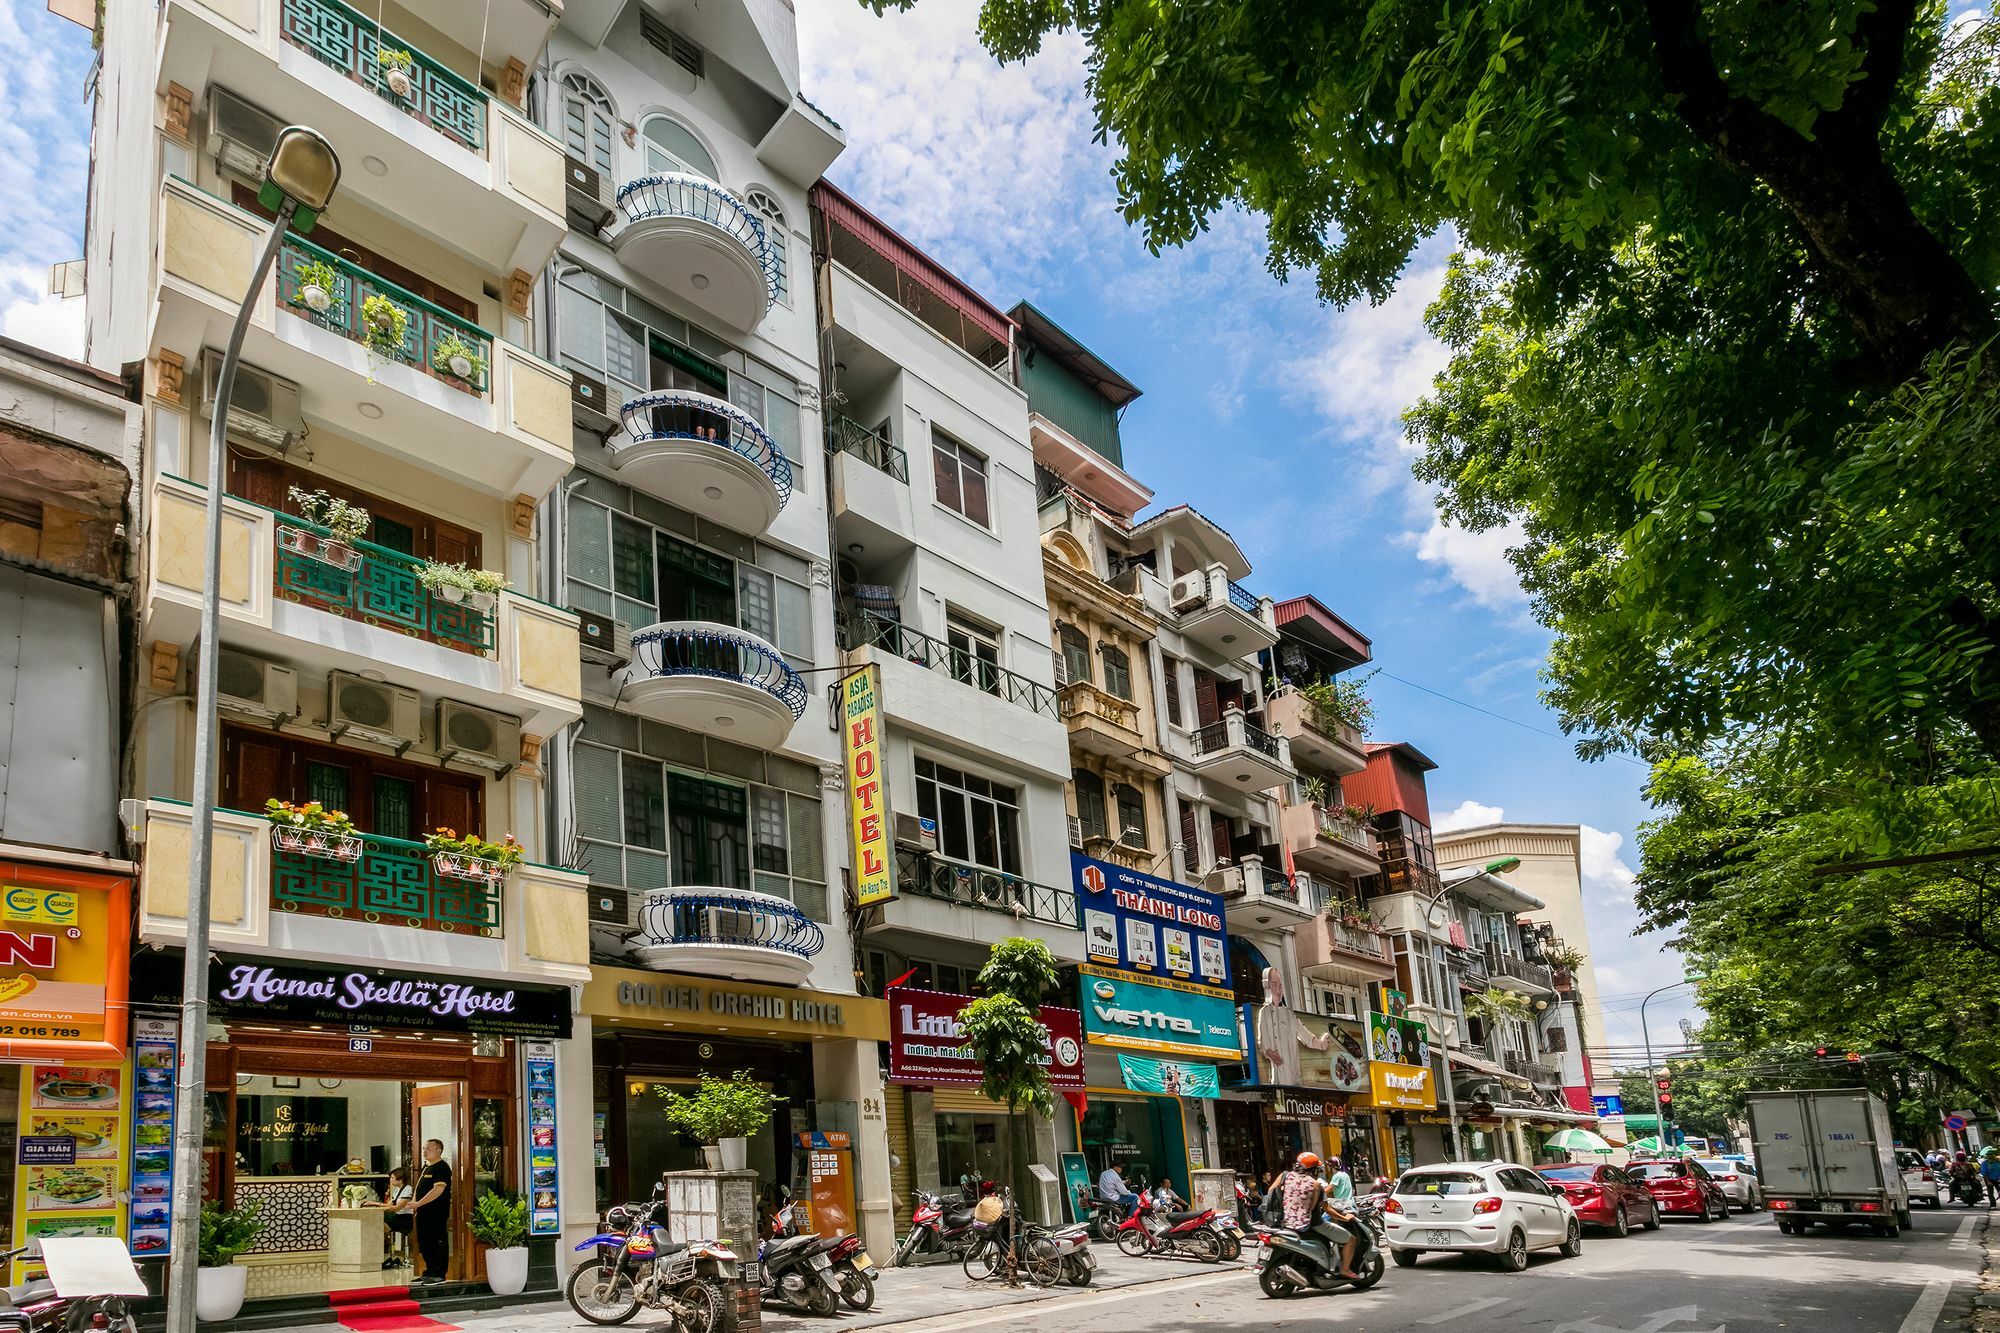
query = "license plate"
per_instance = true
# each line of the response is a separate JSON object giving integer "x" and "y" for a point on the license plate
{"x": 821, "y": 1261}
{"x": 1437, "y": 1238}
{"x": 862, "y": 1262}
{"x": 1836, "y": 1205}
{"x": 1089, "y": 1261}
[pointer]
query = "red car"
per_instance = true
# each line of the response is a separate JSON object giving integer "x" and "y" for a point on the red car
{"x": 1605, "y": 1196}
{"x": 1683, "y": 1189}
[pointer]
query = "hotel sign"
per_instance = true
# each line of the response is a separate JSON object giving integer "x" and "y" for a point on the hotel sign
{"x": 376, "y": 998}
{"x": 868, "y": 811}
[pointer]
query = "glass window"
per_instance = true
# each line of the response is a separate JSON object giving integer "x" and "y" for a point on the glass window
{"x": 711, "y": 835}
{"x": 777, "y": 237}
{"x": 1075, "y": 654}
{"x": 1117, "y": 671}
{"x": 671, "y": 146}
{"x": 959, "y": 475}
{"x": 1440, "y": 1182}
{"x": 978, "y": 819}
{"x": 975, "y": 654}
{"x": 587, "y": 119}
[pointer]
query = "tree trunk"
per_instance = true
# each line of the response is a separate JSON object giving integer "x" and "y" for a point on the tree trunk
{"x": 1013, "y": 1213}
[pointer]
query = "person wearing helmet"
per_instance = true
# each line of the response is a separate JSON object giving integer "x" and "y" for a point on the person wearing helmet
{"x": 1302, "y": 1192}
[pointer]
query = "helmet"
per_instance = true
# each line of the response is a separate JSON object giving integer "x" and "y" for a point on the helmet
{"x": 1308, "y": 1161}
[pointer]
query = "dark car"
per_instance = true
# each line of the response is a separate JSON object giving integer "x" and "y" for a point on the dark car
{"x": 1605, "y": 1196}
{"x": 1683, "y": 1189}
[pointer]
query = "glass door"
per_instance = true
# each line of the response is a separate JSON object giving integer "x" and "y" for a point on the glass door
{"x": 435, "y": 1110}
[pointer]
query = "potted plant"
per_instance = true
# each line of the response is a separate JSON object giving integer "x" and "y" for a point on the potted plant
{"x": 384, "y": 326}
{"x": 723, "y": 1113}
{"x": 472, "y": 857}
{"x": 225, "y": 1233}
{"x": 1314, "y": 790}
{"x": 312, "y": 830}
{"x": 344, "y": 524}
{"x": 458, "y": 358}
{"x": 317, "y": 282}
{"x": 396, "y": 66}
{"x": 456, "y": 583}
{"x": 500, "y": 1222}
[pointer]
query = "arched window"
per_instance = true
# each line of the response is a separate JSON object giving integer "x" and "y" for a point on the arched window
{"x": 1131, "y": 815}
{"x": 671, "y": 146}
{"x": 776, "y": 236}
{"x": 1075, "y": 654}
{"x": 587, "y": 120}
{"x": 1089, "y": 802}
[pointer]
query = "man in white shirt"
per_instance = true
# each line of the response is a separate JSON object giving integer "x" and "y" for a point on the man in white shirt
{"x": 1111, "y": 1186}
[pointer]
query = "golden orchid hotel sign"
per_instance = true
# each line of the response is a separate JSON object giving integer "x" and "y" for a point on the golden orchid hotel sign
{"x": 868, "y": 810}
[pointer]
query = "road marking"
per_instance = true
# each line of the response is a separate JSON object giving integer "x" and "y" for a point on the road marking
{"x": 1470, "y": 1307}
{"x": 1923, "y": 1315}
{"x": 1026, "y": 1309}
{"x": 1963, "y": 1240}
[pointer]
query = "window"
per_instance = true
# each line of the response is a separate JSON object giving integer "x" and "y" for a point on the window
{"x": 1089, "y": 802}
{"x": 960, "y": 478}
{"x": 1131, "y": 815}
{"x": 1117, "y": 671}
{"x": 777, "y": 236}
{"x": 975, "y": 654}
{"x": 1170, "y": 671}
{"x": 669, "y": 145}
{"x": 978, "y": 819}
{"x": 1075, "y": 657}
{"x": 587, "y": 120}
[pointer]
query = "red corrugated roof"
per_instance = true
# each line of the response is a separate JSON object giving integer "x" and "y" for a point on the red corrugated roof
{"x": 839, "y": 207}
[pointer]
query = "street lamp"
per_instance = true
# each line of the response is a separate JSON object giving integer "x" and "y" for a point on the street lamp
{"x": 299, "y": 179}
{"x": 1498, "y": 866}
{"x": 1645, "y": 1035}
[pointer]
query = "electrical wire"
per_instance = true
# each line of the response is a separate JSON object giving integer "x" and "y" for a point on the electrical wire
{"x": 1502, "y": 717}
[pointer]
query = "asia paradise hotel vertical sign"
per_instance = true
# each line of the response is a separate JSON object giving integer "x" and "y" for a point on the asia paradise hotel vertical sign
{"x": 861, "y": 739}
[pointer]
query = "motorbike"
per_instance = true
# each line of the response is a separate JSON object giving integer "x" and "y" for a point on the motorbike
{"x": 1101, "y": 1215}
{"x": 1967, "y": 1190}
{"x": 798, "y": 1269}
{"x": 1072, "y": 1245}
{"x": 1151, "y": 1231}
{"x": 636, "y": 1264}
{"x": 937, "y": 1227}
{"x": 1296, "y": 1261}
{"x": 1230, "y": 1234}
{"x": 853, "y": 1272}
{"x": 40, "y": 1305}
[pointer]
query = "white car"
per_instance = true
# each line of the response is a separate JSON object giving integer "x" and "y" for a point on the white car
{"x": 1494, "y": 1208}
{"x": 1926, "y": 1186}
{"x": 1738, "y": 1180}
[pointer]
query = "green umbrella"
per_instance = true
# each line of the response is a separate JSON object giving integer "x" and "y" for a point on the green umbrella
{"x": 1578, "y": 1140}
{"x": 1650, "y": 1147}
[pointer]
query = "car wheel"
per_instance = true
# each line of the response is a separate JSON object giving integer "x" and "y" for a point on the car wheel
{"x": 1621, "y": 1225}
{"x": 1889, "y": 1231}
{"x": 1515, "y": 1257}
{"x": 1572, "y": 1248}
{"x": 1653, "y": 1218}
{"x": 1405, "y": 1258}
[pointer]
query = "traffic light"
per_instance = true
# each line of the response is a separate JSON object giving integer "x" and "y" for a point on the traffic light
{"x": 1664, "y": 1087}
{"x": 1821, "y": 1052}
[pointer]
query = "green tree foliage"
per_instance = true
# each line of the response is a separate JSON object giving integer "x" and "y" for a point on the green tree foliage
{"x": 1004, "y": 1030}
{"x": 1704, "y": 1097}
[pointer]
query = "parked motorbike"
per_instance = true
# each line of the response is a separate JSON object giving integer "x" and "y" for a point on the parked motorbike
{"x": 41, "y": 1306}
{"x": 798, "y": 1269}
{"x": 937, "y": 1227}
{"x": 1101, "y": 1215}
{"x": 852, "y": 1271}
{"x": 1072, "y": 1245}
{"x": 1230, "y": 1234}
{"x": 1151, "y": 1231}
{"x": 1309, "y": 1260}
{"x": 636, "y": 1264}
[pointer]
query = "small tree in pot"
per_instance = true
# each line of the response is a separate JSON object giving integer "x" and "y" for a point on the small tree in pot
{"x": 723, "y": 1114}
{"x": 500, "y": 1222}
{"x": 225, "y": 1233}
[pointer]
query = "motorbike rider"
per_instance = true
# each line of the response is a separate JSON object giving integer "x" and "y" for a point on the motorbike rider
{"x": 1306, "y": 1210}
{"x": 1962, "y": 1170}
{"x": 1112, "y": 1187}
{"x": 1339, "y": 1185}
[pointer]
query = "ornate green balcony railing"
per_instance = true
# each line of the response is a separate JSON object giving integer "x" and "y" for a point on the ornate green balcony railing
{"x": 382, "y": 589}
{"x": 351, "y": 42}
{"x": 394, "y": 883}
{"x": 426, "y": 325}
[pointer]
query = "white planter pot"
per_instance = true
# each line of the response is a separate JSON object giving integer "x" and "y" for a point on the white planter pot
{"x": 450, "y": 592}
{"x": 484, "y": 602}
{"x": 711, "y": 1156}
{"x": 507, "y": 1270}
{"x": 735, "y": 1153}
{"x": 317, "y": 298}
{"x": 461, "y": 366}
{"x": 398, "y": 81}
{"x": 218, "y": 1292}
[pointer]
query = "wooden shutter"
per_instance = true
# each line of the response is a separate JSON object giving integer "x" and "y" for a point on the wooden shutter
{"x": 1218, "y": 836}
{"x": 1190, "y": 837}
{"x": 1207, "y": 708}
{"x": 1170, "y": 668}
{"x": 259, "y": 480}
{"x": 450, "y": 800}
{"x": 453, "y": 544}
{"x": 268, "y": 482}
{"x": 255, "y": 767}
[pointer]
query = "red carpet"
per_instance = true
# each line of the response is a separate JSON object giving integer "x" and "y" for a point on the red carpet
{"x": 383, "y": 1310}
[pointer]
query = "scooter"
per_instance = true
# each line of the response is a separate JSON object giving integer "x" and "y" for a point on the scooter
{"x": 1967, "y": 1190}
{"x": 852, "y": 1272}
{"x": 1149, "y": 1231}
{"x": 636, "y": 1264}
{"x": 937, "y": 1227}
{"x": 1296, "y": 1261}
{"x": 1072, "y": 1244}
{"x": 53, "y": 1305}
{"x": 1101, "y": 1215}
{"x": 798, "y": 1270}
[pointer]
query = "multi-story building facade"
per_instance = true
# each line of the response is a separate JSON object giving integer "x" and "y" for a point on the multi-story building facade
{"x": 389, "y": 426}
{"x": 702, "y": 790}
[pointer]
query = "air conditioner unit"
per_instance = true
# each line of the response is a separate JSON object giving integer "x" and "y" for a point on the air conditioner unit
{"x": 477, "y": 736}
{"x": 588, "y": 194}
{"x": 590, "y": 405}
{"x": 1075, "y": 833}
{"x": 255, "y": 688}
{"x": 611, "y": 907}
{"x": 262, "y": 406}
{"x": 369, "y": 710}
{"x": 241, "y": 134}
{"x": 916, "y": 831}
{"x": 605, "y": 641}
{"x": 1189, "y": 590}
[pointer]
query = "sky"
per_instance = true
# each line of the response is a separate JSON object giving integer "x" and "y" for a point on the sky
{"x": 1277, "y": 416}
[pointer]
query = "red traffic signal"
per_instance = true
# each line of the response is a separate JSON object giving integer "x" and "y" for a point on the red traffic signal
{"x": 1666, "y": 1099}
{"x": 1663, "y": 1083}
{"x": 1854, "y": 1057}
{"x": 1821, "y": 1052}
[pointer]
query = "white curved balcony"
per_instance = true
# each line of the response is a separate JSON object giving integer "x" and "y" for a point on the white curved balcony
{"x": 715, "y": 679}
{"x": 731, "y": 933}
{"x": 703, "y": 453}
{"x": 701, "y": 243}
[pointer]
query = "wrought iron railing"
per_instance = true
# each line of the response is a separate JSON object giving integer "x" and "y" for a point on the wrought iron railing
{"x": 676, "y": 194}
{"x": 1216, "y": 736}
{"x": 862, "y": 628}
{"x": 1339, "y": 828}
{"x": 1533, "y": 1070}
{"x": 351, "y": 42}
{"x": 385, "y": 588}
{"x": 683, "y": 414}
{"x": 1521, "y": 970}
{"x": 426, "y": 326}
{"x": 870, "y": 446}
{"x": 698, "y": 648}
{"x": 394, "y": 883}
{"x": 1242, "y": 598}
{"x": 728, "y": 916}
{"x": 1355, "y": 940}
{"x": 928, "y": 875}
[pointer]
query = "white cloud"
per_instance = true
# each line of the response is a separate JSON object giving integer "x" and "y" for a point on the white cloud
{"x": 1604, "y": 870}
{"x": 1476, "y": 562}
{"x": 1373, "y": 362}
{"x": 47, "y": 322}
{"x": 44, "y": 166}
{"x": 1470, "y": 814}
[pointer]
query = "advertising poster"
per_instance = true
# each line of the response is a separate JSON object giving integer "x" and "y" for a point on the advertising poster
{"x": 1076, "y": 1180}
{"x": 544, "y": 1194}
{"x": 1137, "y": 922}
{"x": 1398, "y": 1041}
{"x": 1169, "y": 1077}
{"x": 1160, "y": 1016}
{"x": 867, "y": 800}
{"x": 153, "y": 1062}
{"x": 1401, "y": 1087}
{"x": 77, "y": 1190}
{"x": 926, "y": 1045}
{"x": 1328, "y": 1064}
{"x": 829, "y": 1181}
{"x": 61, "y": 997}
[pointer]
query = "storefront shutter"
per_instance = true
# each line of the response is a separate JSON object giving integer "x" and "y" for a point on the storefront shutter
{"x": 965, "y": 1101}
{"x": 896, "y": 1102}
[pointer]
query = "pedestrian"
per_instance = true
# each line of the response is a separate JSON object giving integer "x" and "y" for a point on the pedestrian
{"x": 432, "y": 1211}
{"x": 1165, "y": 1198}
{"x": 394, "y": 1195}
{"x": 1989, "y": 1175}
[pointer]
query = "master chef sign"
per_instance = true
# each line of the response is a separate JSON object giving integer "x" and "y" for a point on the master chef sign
{"x": 927, "y": 1045}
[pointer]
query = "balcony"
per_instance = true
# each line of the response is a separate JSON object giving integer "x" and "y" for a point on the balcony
{"x": 730, "y": 933}
{"x": 700, "y": 242}
{"x": 1328, "y": 841}
{"x": 1255, "y": 885}
{"x": 390, "y": 904}
{"x": 1317, "y": 739}
{"x": 845, "y": 436}
{"x": 715, "y": 679}
{"x": 1541, "y": 1075}
{"x": 1101, "y": 723}
{"x": 445, "y": 157}
{"x": 1534, "y": 976}
{"x": 941, "y": 901}
{"x": 282, "y": 599}
{"x": 502, "y": 427}
{"x": 1350, "y": 955}
{"x": 920, "y": 649}
{"x": 679, "y": 444}
{"x": 1222, "y": 615}
{"x": 928, "y": 875}
{"x": 1239, "y": 754}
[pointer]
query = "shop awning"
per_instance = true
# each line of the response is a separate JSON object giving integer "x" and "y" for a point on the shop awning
{"x": 1540, "y": 1113}
{"x": 1488, "y": 1068}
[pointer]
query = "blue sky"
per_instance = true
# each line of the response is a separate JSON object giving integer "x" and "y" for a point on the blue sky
{"x": 1276, "y": 416}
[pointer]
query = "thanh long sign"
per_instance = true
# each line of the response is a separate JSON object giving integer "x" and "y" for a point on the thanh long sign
{"x": 1148, "y": 925}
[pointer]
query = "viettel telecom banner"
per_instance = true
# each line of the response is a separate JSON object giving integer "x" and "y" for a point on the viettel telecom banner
{"x": 1164, "y": 1017}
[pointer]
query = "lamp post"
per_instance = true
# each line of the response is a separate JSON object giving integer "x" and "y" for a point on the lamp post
{"x": 1646, "y": 1036}
{"x": 1498, "y": 866}
{"x": 299, "y": 179}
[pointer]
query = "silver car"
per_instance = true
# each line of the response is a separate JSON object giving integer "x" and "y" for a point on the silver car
{"x": 1926, "y": 1186}
{"x": 1738, "y": 1180}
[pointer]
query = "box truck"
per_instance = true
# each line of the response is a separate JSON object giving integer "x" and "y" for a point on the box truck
{"x": 1828, "y": 1155}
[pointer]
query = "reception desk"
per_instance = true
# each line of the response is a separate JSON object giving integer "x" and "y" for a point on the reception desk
{"x": 295, "y": 1209}
{"x": 354, "y": 1239}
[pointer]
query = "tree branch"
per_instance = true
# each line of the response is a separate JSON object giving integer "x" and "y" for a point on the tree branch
{"x": 1883, "y": 34}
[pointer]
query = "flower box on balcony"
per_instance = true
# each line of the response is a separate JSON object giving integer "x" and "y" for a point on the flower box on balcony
{"x": 472, "y": 858}
{"x": 326, "y": 550}
{"x": 325, "y": 845}
{"x": 476, "y": 869}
